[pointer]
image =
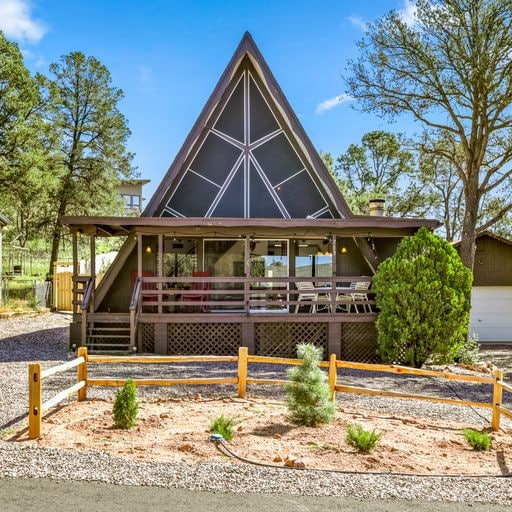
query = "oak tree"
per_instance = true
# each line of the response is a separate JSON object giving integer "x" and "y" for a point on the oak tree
{"x": 451, "y": 70}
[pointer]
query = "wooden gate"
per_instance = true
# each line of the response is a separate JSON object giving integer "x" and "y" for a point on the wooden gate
{"x": 63, "y": 286}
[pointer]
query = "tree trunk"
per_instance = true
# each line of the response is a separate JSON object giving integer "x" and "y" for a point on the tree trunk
{"x": 57, "y": 233}
{"x": 468, "y": 237}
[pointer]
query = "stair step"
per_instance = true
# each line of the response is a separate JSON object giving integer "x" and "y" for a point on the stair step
{"x": 109, "y": 328}
{"x": 110, "y": 352}
{"x": 120, "y": 345}
{"x": 108, "y": 336}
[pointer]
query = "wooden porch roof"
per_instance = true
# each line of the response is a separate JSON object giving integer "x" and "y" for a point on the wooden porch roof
{"x": 361, "y": 225}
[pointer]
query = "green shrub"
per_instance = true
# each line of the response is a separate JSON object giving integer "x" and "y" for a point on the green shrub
{"x": 126, "y": 406}
{"x": 308, "y": 396}
{"x": 224, "y": 425}
{"x": 362, "y": 440}
{"x": 423, "y": 292}
{"x": 469, "y": 351}
{"x": 479, "y": 441}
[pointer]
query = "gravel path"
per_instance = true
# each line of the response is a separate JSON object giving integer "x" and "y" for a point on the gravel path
{"x": 45, "y": 338}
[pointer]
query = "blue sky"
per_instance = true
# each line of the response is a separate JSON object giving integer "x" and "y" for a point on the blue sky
{"x": 168, "y": 55}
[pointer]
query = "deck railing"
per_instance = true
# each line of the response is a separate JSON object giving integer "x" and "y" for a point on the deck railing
{"x": 254, "y": 294}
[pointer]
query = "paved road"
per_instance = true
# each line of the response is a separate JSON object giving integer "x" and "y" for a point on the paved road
{"x": 26, "y": 495}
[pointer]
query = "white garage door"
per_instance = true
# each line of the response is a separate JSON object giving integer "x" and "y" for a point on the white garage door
{"x": 491, "y": 313}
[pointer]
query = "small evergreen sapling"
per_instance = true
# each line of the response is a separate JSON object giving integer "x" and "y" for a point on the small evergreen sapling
{"x": 362, "y": 440}
{"x": 479, "y": 441}
{"x": 126, "y": 406}
{"x": 308, "y": 396}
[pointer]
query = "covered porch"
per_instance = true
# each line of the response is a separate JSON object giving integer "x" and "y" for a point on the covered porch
{"x": 209, "y": 286}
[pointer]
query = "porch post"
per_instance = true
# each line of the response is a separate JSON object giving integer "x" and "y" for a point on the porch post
{"x": 334, "y": 272}
{"x": 139, "y": 255}
{"x": 160, "y": 269}
{"x": 92, "y": 241}
{"x": 75, "y": 272}
{"x": 247, "y": 327}
{"x": 247, "y": 272}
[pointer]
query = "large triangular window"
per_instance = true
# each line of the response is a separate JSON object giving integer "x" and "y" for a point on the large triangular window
{"x": 246, "y": 166}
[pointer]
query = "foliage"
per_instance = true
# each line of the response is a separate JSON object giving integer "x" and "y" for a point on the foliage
{"x": 224, "y": 425}
{"x": 308, "y": 395}
{"x": 469, "y": 351}
{"x": 126, "y": 406}
{"x": 479, "y": 441}
{"x": 447, "y": 70}
{"x": 92, "y": 134}
{"x": 423, "y": 292}
{"x": 24, "y": 171}
{"x": 362, "y": 440}
{"x": 381, "y": 167}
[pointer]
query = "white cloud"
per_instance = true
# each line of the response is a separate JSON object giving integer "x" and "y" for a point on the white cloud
{"x": 332, "y": 102}
{"x": 358, "y": 22}
{"x": 16, "y": 21}
{"x": 408, "y": 13}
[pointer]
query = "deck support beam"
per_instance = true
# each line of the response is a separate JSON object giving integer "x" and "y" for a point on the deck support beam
{"x": 334, "y": 339}
{"x": 161, "y": 339}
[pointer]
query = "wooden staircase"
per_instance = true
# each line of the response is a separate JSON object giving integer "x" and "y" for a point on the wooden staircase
{"x": 108, "y": 334}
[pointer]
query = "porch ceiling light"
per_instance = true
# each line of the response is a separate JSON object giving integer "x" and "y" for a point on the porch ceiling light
{"x": 344, "y": 250}
{"x": 148, "y": 249}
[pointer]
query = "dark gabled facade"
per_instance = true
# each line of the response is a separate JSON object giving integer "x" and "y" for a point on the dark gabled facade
{"x": 247, "y": 155}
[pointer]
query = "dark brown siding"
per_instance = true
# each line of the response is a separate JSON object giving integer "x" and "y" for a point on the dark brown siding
{"x": 352, "y": 262}
{"x": 493, "y": 263}
{"x": 117, "y": 299}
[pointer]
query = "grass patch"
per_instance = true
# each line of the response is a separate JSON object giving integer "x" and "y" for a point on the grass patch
{"x": 224, "y": 426}
{"x": 362, "y": 440}
{"x": 479, "y": 441}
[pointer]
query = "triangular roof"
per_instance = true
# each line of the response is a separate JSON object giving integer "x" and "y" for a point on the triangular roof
{"x": 490, "y": 234}
{"x": 247, "y": 155}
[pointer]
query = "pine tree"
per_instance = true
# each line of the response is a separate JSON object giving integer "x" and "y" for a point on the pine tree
{"x": 126, "y": 406}
{"x": 308, "y": 396}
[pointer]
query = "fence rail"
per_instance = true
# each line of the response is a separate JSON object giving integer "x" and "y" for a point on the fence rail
{"x": 243, "y": 360}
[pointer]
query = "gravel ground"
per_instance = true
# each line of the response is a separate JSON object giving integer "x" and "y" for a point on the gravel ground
{"x": 45, "y": 338}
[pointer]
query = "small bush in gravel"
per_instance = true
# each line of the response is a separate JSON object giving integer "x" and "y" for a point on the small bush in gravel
{"x": 469, "y": 351}
{"x": 126, "y": 406}
{"x": 479, "y": 441}
{"x": 308, "y": 397}
{"x": 362, "y": 440}
{"x": 224, "y": 425}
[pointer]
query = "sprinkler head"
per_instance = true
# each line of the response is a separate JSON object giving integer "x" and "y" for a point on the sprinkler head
{"x": 216, "y": 438}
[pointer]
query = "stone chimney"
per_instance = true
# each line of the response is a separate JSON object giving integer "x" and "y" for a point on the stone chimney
{"x": 377, "y": 207}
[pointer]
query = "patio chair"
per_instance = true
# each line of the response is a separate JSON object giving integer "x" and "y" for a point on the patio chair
{"x": 345, "y": 301}
{"x": 361, "y": 297}
{"x": 199, "y": 287}
{"x": 307, "y": 289}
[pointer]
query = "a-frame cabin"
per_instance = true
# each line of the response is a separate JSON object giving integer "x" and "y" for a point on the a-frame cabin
{"x": 247, "y": 241}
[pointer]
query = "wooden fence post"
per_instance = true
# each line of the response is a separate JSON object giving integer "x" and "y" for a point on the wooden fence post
{"x": 497, "y": 394}
{"x": 34, "y": 400}
{"x": 332, "y": 376}
{"x": 242, "y": 371}
{"x": 82, "y": 374}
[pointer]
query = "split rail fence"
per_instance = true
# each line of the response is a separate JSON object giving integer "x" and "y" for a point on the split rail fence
{"x": 37, "y": 408}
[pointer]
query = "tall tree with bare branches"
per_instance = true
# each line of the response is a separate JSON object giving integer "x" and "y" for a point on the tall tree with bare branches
{"x": 451, "y": 70}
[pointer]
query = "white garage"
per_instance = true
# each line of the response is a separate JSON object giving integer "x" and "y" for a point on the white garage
{"x": 491, "y": 313}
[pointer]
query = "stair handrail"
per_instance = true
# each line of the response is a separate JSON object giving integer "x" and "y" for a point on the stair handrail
{"x": 135, "y": 309}
{"x": 84, "y": 305}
